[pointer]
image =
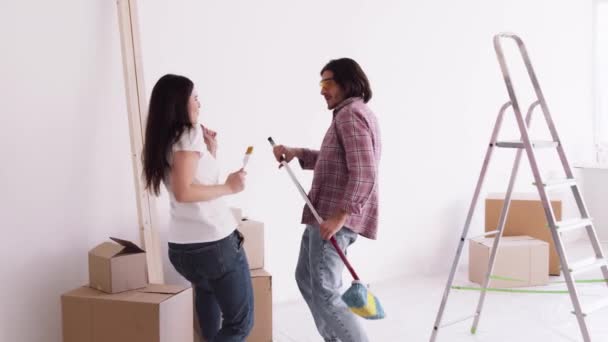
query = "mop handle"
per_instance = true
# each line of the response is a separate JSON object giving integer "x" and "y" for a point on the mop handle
{"x": 315, "y": 213}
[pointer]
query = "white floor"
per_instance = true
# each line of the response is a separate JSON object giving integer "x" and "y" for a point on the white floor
{"x": 411, "y": 305}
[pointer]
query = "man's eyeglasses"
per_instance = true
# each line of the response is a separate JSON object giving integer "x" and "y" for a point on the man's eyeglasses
{"x": 327, "y": 83}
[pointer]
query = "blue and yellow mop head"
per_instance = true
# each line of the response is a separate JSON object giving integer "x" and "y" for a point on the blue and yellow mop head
{"x": 362, "y": 302}
{"x": 359, "y": 299}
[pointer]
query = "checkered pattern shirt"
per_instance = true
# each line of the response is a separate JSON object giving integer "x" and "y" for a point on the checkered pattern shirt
{"x": 346, "y": 169}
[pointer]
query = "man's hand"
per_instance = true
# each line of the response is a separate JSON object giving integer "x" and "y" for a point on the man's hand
{"x": 333, "y": 224}
{"x": 282, "y": 152}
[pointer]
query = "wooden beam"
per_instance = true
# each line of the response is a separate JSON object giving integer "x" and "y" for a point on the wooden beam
{"x": 137, "y": 111}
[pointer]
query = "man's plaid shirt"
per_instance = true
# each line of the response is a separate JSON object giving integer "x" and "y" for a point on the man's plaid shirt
{"x": 346, "y": 168}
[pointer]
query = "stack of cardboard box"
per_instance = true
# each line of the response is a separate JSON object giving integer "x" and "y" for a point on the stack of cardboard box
{"x": 253, "y": 232}
{"x": 120, "y": 306}
{"x": 527, "y": 254}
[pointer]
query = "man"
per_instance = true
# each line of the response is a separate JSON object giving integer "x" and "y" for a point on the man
{"x": 344, "y": 192}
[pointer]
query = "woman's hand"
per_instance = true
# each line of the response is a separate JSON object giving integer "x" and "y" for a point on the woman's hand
{"x": 210, "y": 140}
{"x": 236, "y": 181}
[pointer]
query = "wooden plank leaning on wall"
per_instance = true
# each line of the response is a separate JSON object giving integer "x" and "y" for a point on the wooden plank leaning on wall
{"x": 137, "y": 112}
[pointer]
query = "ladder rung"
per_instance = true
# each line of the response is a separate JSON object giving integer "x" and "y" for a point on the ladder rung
{"x": 565, "y": 226}
{"x": 520, "y": 144}
{"x": 591, "y": 308}
{"x": 458, "y": 321}
{"x": 558, "y": 183}
{"x": 484, "y": 234}
{"x": 587, "y": 264}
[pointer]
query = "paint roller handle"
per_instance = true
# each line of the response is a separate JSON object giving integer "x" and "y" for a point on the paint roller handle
{"x": 315, "y": 213}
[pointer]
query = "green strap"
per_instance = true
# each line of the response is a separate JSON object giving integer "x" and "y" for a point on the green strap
{"x": 582, "y": 281}
{"x": 506, "y": 278}
{"x": 492, "y": 289}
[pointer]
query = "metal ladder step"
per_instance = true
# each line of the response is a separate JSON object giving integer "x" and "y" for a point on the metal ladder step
{"x": 520, "y": 144}
{"x": 591, "y": 308}
{"x": 569, "y": 225}
{"x": 458, "y": 320}
{"x": 587, "y": 264}
{"x": 558, "y": 183}
{"x": 486, "y": 234}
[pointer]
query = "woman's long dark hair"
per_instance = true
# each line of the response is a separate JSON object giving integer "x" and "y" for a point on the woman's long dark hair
{"x": 349, "y": 75}
{"x": 168, "y": 117}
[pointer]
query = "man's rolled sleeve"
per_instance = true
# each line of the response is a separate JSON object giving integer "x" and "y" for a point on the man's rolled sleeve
{"x": 308, "y": 159}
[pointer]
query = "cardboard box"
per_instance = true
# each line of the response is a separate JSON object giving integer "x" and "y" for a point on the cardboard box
{"x": 117, "y": 267}
{"x": 157, "y": 313}
{"x": 262, "y": 293}
{"x": 526, "y": 217}
{"x": 262, "y": 298}
{"x": 253, "y": 231}
{"x": 522, "y": 260}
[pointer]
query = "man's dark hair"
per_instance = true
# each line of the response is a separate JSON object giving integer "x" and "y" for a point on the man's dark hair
{"x": 349, "y": 75}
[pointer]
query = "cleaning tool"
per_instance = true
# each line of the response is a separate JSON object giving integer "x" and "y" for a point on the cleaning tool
{"x": 358, "y": 298}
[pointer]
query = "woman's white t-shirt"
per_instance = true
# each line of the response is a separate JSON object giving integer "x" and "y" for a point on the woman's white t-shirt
{"x": 204, "y": 221}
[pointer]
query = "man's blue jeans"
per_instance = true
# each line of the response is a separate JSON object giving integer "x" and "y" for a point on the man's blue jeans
{"x": 319, "y": 277}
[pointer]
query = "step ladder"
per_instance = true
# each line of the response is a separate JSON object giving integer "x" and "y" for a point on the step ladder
{"x": 557, "y": 228}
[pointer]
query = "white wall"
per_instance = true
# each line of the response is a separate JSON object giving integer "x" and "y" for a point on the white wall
{"x": 601, "y": 81}
{"x": 66, "y": 174}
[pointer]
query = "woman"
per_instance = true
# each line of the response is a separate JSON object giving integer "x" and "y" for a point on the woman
{"x": 204, "y": 245}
